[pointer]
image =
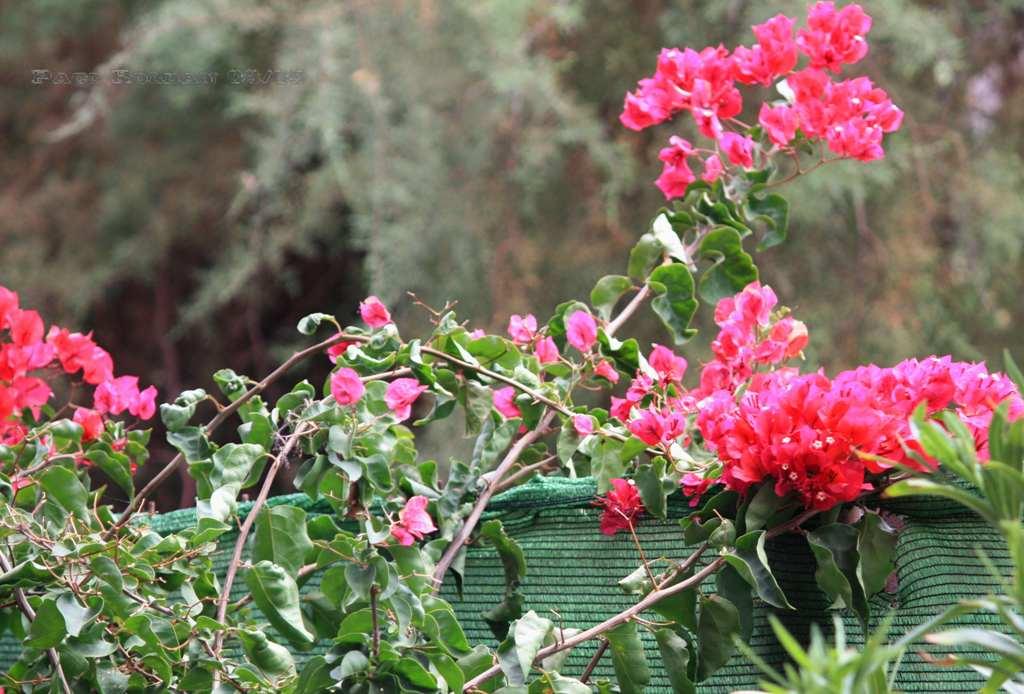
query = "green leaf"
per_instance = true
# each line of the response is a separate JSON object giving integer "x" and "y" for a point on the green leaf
{"x": 921, "y": 487}
{"x": 234, "y": 466}
{"x": 606, "y": 463}
{"x": 47, "y": 629}
{"x": 607, "y": 292}
{"x": 177, "y": 415}
{"x": 277, "y": 596}
{"x": 648, "y": 480}
{"x": 117, "y": 467}
{"x": 553, "y": 683}
{"x": 315, "y": 676}
{"x": 281, "y": 537}
{"x": 478, "y": 401}
{"x": 732, "y": 268}
{"x": 736, "y": 590}
{"x": 271, "y": 658}
{"x": 773, "y": 212}
{"x": 750, "y": 560}
{"x": 674, "y": 301}
{"x": 835, "y": 549}
{"x": 76, "y": 616}
{"x": 675, "y": 655}
{"x": 628, "y": 658}
{"x": 762, "y": 506}
{"x": 527, "y": 635}
{"x": 309, "y": 324}
{"x": 645, "y": 256}
{"x": 719, "y": 621}
{"x": 415, "y": 674}
{"x": 513, "y": 563}
{"x": 64, "y": 490}
{"x": 876, "y": 545}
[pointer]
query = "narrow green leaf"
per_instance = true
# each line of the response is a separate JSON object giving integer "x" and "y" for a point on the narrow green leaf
{"x": 628, "y": 658}
{"x": 719, "y": 621}
{"x": 835, "y": 549}
{"x": 751, "y": 561}
{"x": 675, "y": 655}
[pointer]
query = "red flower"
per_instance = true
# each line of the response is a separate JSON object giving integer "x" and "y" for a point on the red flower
{"x": 621, "y": 507}
{"x": 91, "y": 422}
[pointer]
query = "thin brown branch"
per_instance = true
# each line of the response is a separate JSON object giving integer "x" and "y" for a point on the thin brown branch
{"x": 469, "y": 525}
{"x": 250, "y": 519}
{"x": 628, "y": 311}
{"x": 518, "y": 475}
{"x": 598, "y": 654}
{"x": 223, "y": 415}
{"x": 651, "y": 598}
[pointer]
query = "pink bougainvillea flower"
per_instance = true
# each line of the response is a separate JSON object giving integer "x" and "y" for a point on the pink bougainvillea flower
{"x": 120, "y": 394}
{"x": 712, "y": 169}
{"x": 546, "y": 351}
{"x": 476, "y": 334}
{"x": 834, "y": 38}
{"x": 78, "y": 352}
{"x": 669, "y": 366}
{"x": 676, "y": 176}
{"x": 653, "y": 427}
{"x": 505, "y": 402}
{"x": 91, "y": 422}
{"x": 694, "y": 487}
{"x": 143, "y": 405}
{"x": 581, "y": 330}
{"x": 739, "y": 149}
{"x": 621, "y": 506}
{"x": 605, "y": 370}
{"x": 374, "y": 313}
{"x": 583, "y": 424}
{"x": 522, "y": 329}
{"x": 346, "y": 386}
{"x": 401, "y": 394}
{"x": 780, "y": 122}
{"x": 413, "y": 523}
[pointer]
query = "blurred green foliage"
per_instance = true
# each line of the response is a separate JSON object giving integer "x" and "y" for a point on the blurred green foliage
{"x": 470, "y": 150}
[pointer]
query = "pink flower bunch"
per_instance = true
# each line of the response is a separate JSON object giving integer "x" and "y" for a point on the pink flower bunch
{"x": 25, "y": 352}
{"x": 750, "y": 334}
{"x": 414, "y": 523}
{"x": 851, "y": 116}
{"x": 651, "y": 409}
{"x": 621, "y": 506}
{"x": 523, "y": 331}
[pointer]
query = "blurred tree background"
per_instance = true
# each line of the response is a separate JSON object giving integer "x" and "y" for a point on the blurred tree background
{"x": 470, "y": 150}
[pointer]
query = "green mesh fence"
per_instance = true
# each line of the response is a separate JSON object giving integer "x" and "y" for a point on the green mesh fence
{"x": 573, "y": 571}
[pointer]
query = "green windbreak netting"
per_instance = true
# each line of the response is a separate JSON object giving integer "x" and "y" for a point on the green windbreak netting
{"x": 573, "y": 571}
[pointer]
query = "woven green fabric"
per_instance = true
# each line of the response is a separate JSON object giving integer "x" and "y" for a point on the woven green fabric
{"x": 573, "y": 570}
